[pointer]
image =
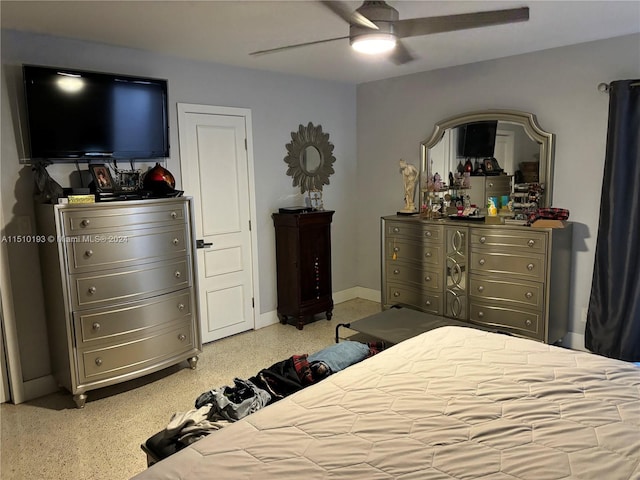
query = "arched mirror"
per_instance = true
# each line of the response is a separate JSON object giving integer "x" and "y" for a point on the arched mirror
{"x": 310, "y": 158}
{"x": 491, "y": 144}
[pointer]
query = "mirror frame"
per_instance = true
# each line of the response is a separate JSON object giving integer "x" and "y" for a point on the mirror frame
{"x": 300, "y": 140}
{"x": 527, "y": 120}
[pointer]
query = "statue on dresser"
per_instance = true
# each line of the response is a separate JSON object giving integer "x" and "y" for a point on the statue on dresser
{"x": 409, "y": 177}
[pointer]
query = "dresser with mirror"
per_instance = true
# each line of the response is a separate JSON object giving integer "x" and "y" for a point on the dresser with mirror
{"x": 509, "y": 277}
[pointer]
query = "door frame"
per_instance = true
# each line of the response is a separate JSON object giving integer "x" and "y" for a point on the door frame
{"x": 186, "y": 108}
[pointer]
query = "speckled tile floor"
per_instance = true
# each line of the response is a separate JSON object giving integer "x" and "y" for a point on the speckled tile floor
{"x": 49, "y": 439}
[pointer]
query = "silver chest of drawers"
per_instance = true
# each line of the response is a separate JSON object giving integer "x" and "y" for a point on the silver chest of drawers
{"x": 120, "y": 290}
{"x": 514, "y": 279}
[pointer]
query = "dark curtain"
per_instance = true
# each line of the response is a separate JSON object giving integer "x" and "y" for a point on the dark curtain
{"x": 613, "y": 319}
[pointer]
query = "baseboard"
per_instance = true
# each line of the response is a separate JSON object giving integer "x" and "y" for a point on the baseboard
{"x": 271, "y": 318}
{"x": 574, "y": 341}
{"x": 39, "y": 387}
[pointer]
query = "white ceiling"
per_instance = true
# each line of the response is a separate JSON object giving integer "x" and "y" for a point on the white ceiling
{"x": 227, "y": 31}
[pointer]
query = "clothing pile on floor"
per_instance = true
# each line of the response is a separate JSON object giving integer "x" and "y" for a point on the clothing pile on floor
{"x": 218, "y": 407}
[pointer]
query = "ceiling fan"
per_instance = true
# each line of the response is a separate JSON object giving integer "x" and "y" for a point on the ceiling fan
{"x": 375, "y": 27}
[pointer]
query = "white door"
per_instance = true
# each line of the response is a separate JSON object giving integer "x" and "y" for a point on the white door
{"x": 217, "y": 172}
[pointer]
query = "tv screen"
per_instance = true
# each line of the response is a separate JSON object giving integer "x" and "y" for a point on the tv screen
{"x": 478, "y": 139}
{"x": 82, "y": 115}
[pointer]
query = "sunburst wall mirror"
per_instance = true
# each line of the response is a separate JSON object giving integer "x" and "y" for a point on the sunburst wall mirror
{"x": 310, "y": 158}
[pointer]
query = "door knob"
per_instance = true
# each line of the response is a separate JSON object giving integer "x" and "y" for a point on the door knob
{"x": 200, "y": 243}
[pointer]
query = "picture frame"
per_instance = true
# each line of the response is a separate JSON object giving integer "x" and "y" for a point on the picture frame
{"x": 488, "y": 165}
{"x": 129, "y": 180}
{"x": 101, "y": 177}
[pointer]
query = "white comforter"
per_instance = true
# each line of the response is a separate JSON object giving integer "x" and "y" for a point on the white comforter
{"x": 452, "y": 403}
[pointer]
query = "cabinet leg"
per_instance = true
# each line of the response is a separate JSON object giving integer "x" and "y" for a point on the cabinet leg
{"x": 283, "y": 319}
{"x": 300, "y": 324}
{"x": 193, "y": 361}
{"x": 329, "y": 315}
{"x": 80, "y": 399}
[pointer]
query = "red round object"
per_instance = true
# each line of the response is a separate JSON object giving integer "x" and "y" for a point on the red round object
{"x": 158, "y": 174}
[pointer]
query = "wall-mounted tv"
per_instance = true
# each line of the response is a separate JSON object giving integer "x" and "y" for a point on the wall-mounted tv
{"x": 74, "y": 114}
{"x": 477, "y": 139}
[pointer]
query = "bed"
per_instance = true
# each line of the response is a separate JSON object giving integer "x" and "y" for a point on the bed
{"x": 452, "y": 403}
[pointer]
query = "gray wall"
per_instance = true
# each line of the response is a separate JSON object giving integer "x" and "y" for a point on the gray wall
{"x": 279, "y": 103}
{"x": 558, "y": 85}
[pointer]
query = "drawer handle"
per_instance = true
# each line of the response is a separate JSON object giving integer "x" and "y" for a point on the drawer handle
{"x": 481, "y": 288}
{"x": 530, "y": 266}
{"x": 96, "y": 326}
{"x": 396, "y": 230}
{"x": 528, "y": 294}
{"x": 396, "y": 249}
{"x": 88, "y": 253}
{"x": 528, "y": 322}
{"x": 531, "y": 243}
{"x": 177, "y": 274}
{"x": 396, "y": 294}
{"x": 483, "y": 239}
{"x": 427, "y": 233}
{"x": 480, "y": 314}
{"x": 92, "y": 290}
{"x": 98, "y": 361}
{"x": 174, "y": 215}
{"x": 427, "y": 255}
{"x": 482, "y": 261}
{"x": 85, "y": 222}
{"x": 427, "y": 278}
{"x": 427, "y": 303}
{"x": 181, "y": 306}
{"x": 182, "y": 337}
{"x": 490, "y": 184}
{"x": 175, "y": 241}
{"x": 396, "y": 272}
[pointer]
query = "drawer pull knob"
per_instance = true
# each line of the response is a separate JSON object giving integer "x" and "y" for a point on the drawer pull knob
{"x": 490, "y": 184}
{"x": 175, "y": 241}
{"x": 396, "y": 294}
{"x": 92, "y": 290}
{"x": 427, "y": 255}
{"x": 530, "y": 266}
{"x": 98, "y": 361}
{"x": 427, "y": 303}
{"x": 481, "y": 288}
{"x": 480, "y": 314}
{"x": 177, "y": 274}
{"x": 427, "y": 278}
{"x": 85, "y": 222}
{"x": 88, "y": 253}
{"x": 174, "y": 215}
{"x": 396, "y": 230}
{"x": 528, "y": 294}
{"x": 531, "y": 243}
{"x": 483, "y": 239}
{"x": 427, "y": 233}
{"x": 181, "y": 306}
{"x": 182, "y": 337}
{"x": 96, "y": 326}
{"x": 482, "y": 261}
{"x": 396, "y": 249}
{"x": 396, "y": 272}
{"x": 528, "y": 322}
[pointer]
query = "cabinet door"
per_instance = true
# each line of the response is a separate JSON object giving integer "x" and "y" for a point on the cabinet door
{"x": 315, "y": 262}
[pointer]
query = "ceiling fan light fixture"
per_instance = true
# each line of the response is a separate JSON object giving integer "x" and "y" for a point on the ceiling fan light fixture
{"x": 374, "y": 43}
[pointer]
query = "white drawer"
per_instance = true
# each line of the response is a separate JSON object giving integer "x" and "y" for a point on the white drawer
{"x": 107, "y": 250}
{"x": 90, "y": 290}
{"x": 120, "y": 359}
{"x": 530, "y": 267}
{"x": 522, "y": 294}
{"x": 414, "y": 274}
{"x": 417, "y": 231}
{"x": 408, "y": 251}
{"x": 507, "y": 240}
{"x": 522, "y": 322}
{"x": 398, "y": 294}
{"x": 87, "y": 217}
{"x": 112, "y": 323}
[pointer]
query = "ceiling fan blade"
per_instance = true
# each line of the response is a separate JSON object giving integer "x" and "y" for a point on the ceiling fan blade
{"x": 288, "y": 47}
{"x": 348, "y": 15}
{"x": 401, "y": 54}
{"x": 424, "y": 26}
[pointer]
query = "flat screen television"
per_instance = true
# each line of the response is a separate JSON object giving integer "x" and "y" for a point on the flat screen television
{"x": 73, "y": 114}
{"x": 477, "y": 139}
